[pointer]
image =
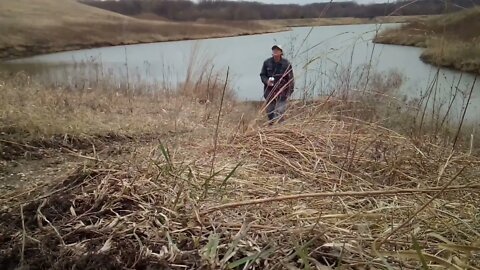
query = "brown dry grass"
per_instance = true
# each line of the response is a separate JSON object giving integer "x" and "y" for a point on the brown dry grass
{"x": 344, "y": 21}
{"x": 33, "y": 112}
{"x": 30, "y": 111}
{"x": 459, "y": 55}
{"x": 450, "y": 40}
{"x": 155, "y": 213}
{"x": 322, "y": 190}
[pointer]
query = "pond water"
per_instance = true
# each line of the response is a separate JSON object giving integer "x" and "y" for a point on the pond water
{"x": 325, "y": 59}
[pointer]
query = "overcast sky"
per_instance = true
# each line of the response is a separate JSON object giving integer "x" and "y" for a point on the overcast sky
{"x": 313, "y": 1}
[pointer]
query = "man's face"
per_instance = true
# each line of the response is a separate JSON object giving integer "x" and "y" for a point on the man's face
{"x": 276, "y": 53}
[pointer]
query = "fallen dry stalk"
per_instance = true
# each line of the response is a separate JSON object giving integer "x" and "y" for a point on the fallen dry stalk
{"x": 24, "y": 233}
{"x": 373, "y": 193}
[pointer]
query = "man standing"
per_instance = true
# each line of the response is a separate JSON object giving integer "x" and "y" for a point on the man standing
{"x": 278, "y": 83}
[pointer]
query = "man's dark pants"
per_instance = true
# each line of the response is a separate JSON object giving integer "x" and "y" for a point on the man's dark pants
{"x": 276, "y": 109}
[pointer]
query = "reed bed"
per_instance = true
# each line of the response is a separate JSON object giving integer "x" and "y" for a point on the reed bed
{"x": 318, "y": 191}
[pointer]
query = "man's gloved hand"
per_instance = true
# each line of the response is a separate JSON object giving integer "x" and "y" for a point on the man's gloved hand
{"x": 271, "y": 81}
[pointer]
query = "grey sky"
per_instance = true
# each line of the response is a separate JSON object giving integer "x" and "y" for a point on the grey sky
{"x": 301, "y": 2}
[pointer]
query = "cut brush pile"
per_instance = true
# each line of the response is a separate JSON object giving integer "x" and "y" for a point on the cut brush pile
{"x": 316, "y": 192}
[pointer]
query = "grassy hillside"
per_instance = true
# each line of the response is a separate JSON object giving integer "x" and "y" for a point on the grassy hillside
{"x": 31, "y": 27}
{"x": 342, "y": 21}
{"x": 451, "y": 40}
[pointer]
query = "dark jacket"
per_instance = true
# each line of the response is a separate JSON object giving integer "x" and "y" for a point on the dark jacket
{"x": 283, "y": 74}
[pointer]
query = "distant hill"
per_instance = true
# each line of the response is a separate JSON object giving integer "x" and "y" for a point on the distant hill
{"x": 31, "y": 27}
{"x": 185, "y": 10}
{"x": 451, "y": 40}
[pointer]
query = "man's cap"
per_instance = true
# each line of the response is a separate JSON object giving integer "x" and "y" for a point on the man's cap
{"x": 276, "y": 46}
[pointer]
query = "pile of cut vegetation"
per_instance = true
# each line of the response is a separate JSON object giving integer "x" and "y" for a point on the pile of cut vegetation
{"x": 318, "y": 191}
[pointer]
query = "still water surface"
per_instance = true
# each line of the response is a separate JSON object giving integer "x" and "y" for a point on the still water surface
{"x": 325, "y": 59}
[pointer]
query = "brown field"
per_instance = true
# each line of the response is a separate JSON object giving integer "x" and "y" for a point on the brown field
{"x": 450, "y": 40}
{"x": 345, "y": 21}
{"x": 108, "y": 177}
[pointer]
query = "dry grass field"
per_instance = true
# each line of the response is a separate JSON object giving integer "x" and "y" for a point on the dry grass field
{"x": 110, "y": 178}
